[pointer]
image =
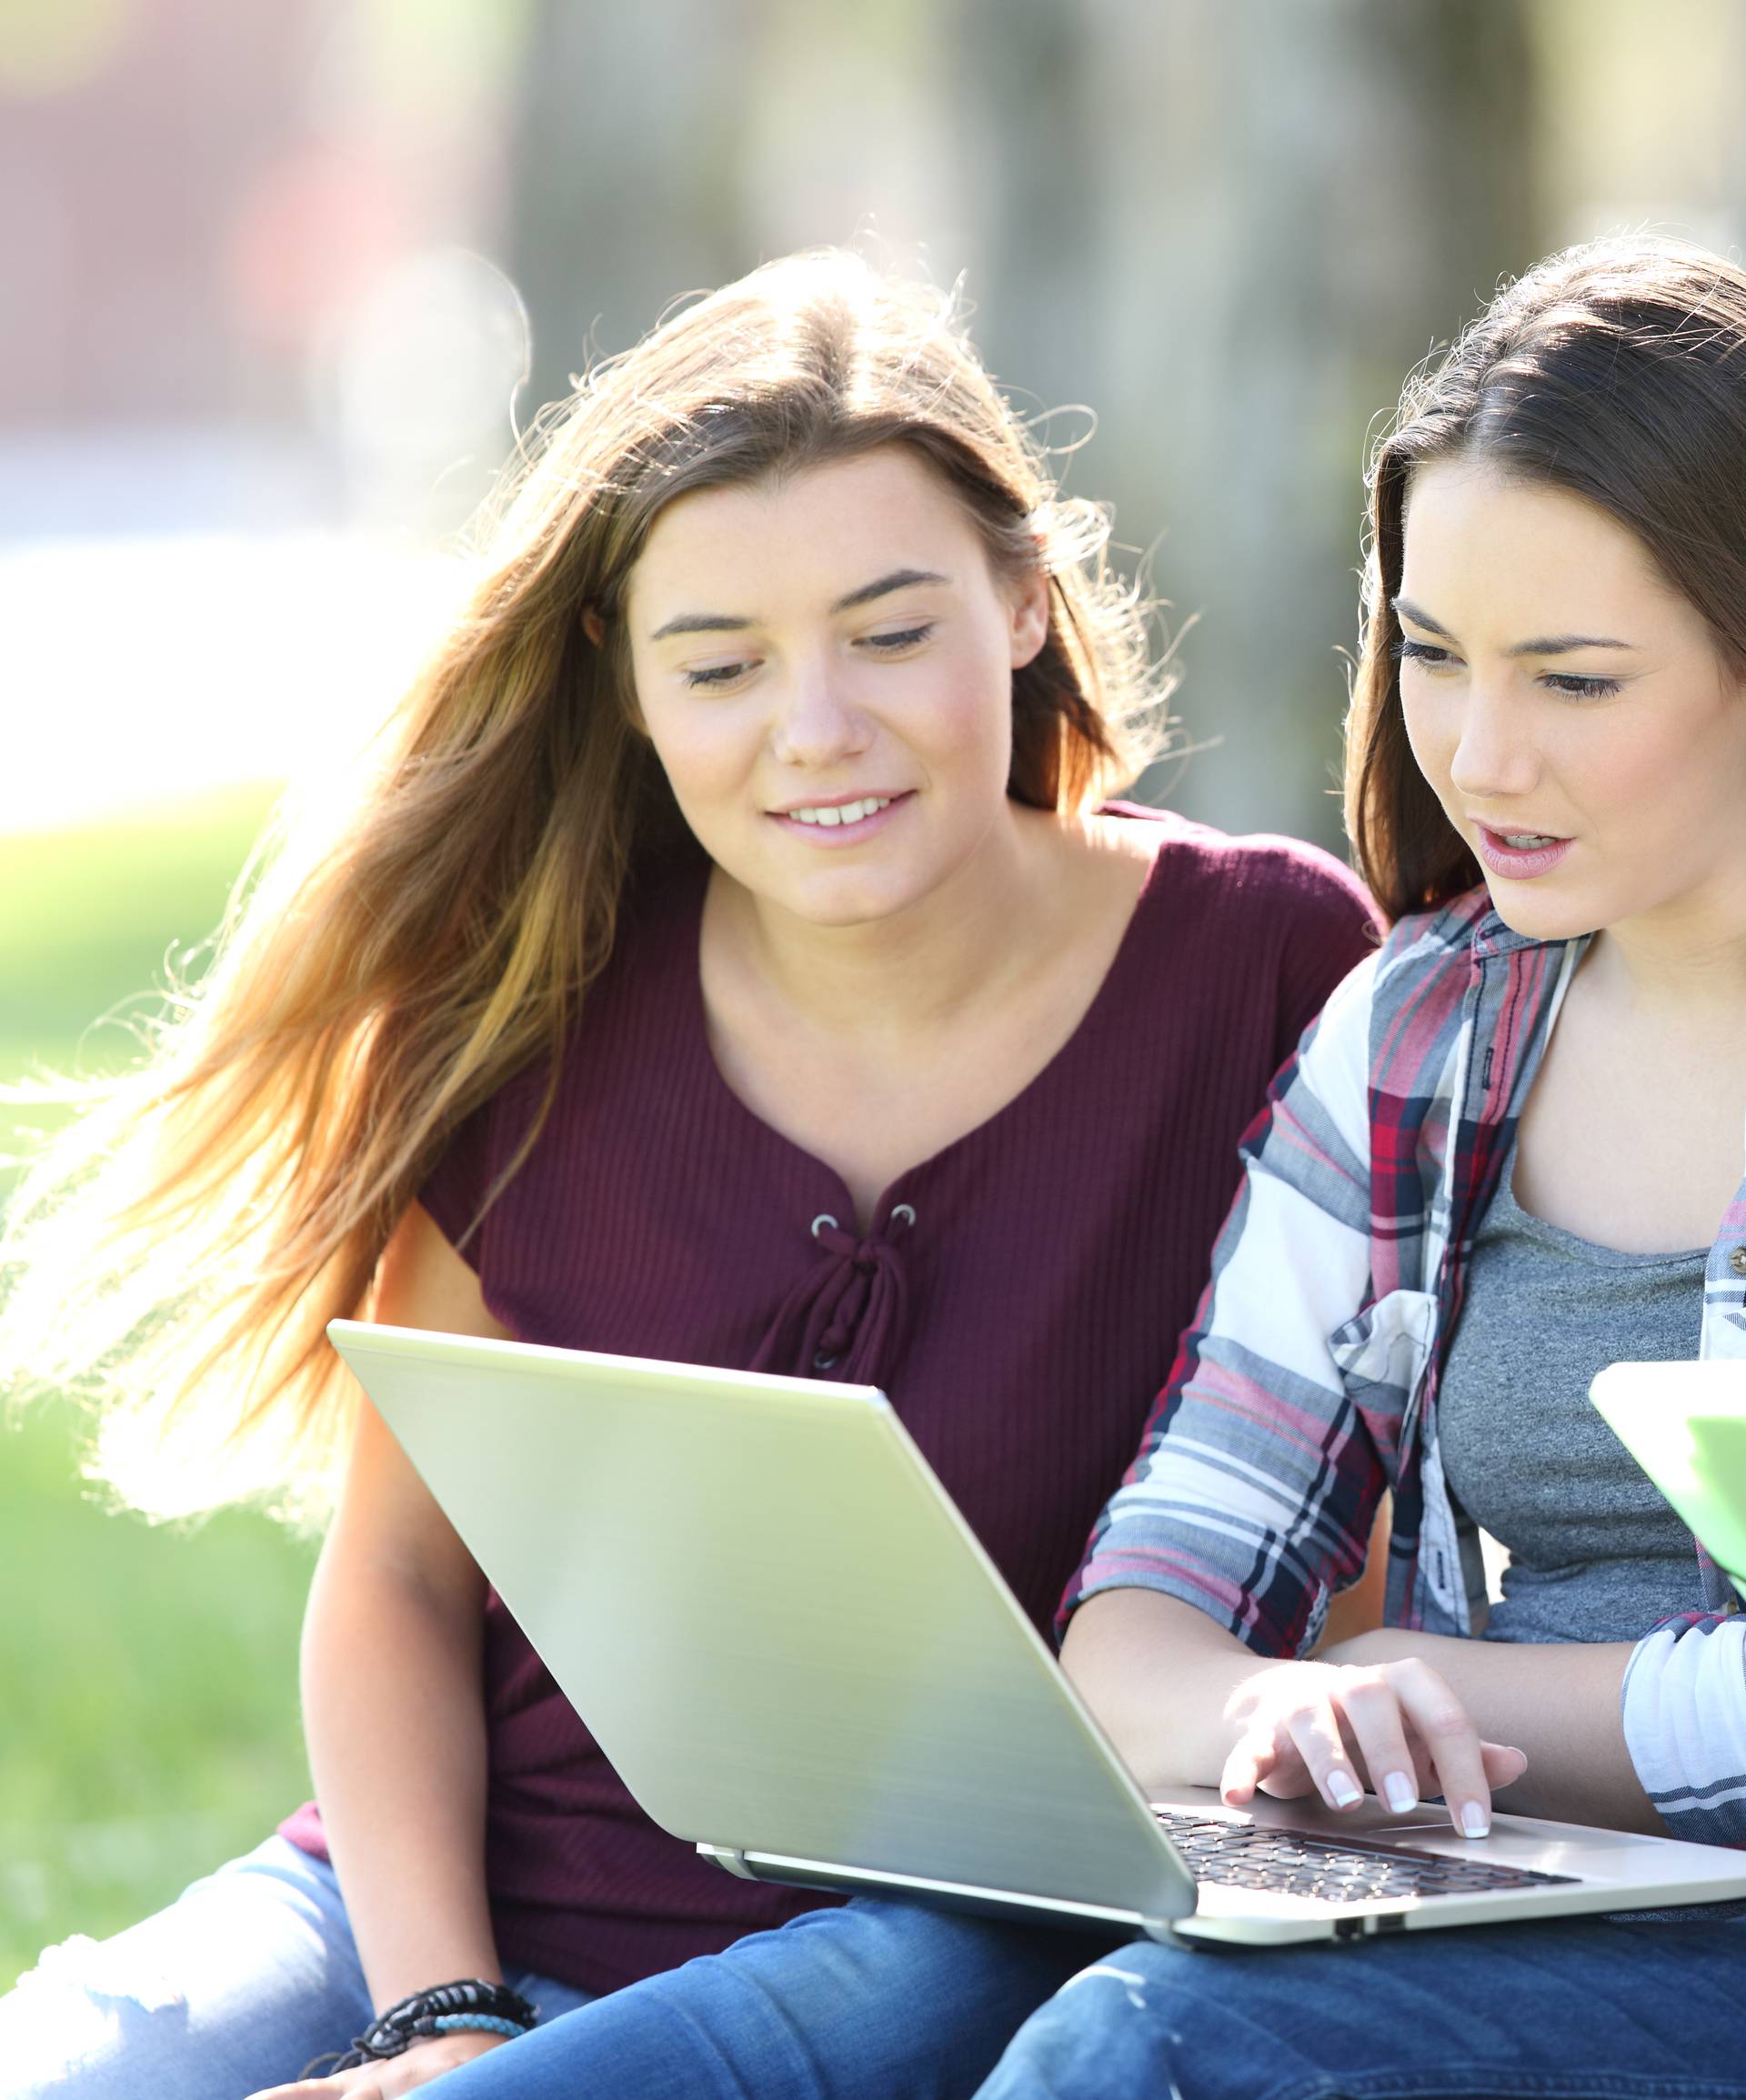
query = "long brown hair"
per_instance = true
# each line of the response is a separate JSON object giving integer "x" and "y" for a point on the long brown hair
{"x": 1615, "y": 371}
{"x": 178, "y": 1253}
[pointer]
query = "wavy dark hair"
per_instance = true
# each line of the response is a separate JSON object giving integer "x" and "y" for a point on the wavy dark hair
{"x": 1615, "y": 371}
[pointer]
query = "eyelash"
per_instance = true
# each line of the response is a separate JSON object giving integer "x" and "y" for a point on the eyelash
{"x": 890, "y": 644}
{"x": 1565, "y": 683}
{"x": 717, "y": 674}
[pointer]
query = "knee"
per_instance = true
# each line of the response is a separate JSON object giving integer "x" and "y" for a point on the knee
{"x": 1107, "y": 2030}
{"x": 70, "y": 2027}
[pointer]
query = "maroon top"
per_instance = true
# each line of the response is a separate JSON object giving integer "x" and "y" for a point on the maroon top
{"x": 1019, "y": 1296}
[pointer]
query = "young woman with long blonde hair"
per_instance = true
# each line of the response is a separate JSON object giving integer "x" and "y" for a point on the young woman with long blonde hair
{"x": 730, "y": 956}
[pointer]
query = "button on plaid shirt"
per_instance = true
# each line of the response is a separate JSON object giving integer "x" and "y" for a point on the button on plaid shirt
{"x": 1307, "y": 1385}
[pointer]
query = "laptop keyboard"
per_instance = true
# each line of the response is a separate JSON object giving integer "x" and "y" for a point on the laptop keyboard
{"x": 1335, "y": 1870}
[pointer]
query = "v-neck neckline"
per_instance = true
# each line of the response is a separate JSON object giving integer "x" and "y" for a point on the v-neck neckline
{"x": 896, "y": 1192}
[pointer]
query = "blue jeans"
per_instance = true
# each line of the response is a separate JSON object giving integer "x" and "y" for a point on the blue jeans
{"x": 1592, "y": 2010}
{"x": 245, "y": 1978}
{"x": 874, "y": 2001}
{"x": 253, "y": 1972}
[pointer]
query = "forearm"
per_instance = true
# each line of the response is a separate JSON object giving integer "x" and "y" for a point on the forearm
{"x": 1557, "y": 1702}
{"x": 1160, "y": 1677}
{"x": 397, "y": 1737}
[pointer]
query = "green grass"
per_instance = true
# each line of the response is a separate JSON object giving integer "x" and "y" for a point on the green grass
{"x": 87, "y": 916}
{"x": 148, "y": 1718}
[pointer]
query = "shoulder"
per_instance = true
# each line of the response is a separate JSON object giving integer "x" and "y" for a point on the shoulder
{"x": 617, "y": 1050}
{"x": 1259, "y": 877}
{"x": 1267, "y": 927}
{"x": 1391, "y": 1027}
{"x": 1437, "y": 943}
{"x": 1422, "y": 966}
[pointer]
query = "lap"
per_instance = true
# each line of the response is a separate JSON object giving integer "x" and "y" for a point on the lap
{"x": 1587, "y": 2010}
{"x": 872, "y": 1999}
{"x": 250, "y": 1973}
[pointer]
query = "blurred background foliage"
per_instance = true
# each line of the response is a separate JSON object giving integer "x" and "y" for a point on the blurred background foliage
{"x": 273, "y": 278}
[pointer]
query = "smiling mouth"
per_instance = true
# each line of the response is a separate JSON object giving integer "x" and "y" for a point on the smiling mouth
{"x": 832, "y": 814}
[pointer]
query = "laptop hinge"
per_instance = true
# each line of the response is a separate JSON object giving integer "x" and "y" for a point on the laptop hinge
{"x": 951, "y": 1895}
{"x": 728, "y": 1860}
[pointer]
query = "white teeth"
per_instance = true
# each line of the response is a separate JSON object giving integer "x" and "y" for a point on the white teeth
{"x": 1526, "y": 841}
{"x": 841, "y": 812}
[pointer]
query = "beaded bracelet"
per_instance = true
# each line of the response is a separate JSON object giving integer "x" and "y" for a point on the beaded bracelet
{"x": 473, "y": 2023}
{"x": 470, "y": 2006}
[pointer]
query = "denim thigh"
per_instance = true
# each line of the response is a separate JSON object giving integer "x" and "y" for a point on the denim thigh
{"x": 1587, "y": 2010}
{"x": 245, "y": 1977}
{"x": 873, "y": 2001}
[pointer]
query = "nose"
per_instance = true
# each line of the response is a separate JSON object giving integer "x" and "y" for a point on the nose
{"x": 816, "y": 725}
{"x": 1494, "y": 757}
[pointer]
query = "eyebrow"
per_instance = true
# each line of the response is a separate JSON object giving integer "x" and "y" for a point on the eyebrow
{"x": 898, "y": 579}
{"x": 1538, "y": 645}
{"x": 695, "y": 623}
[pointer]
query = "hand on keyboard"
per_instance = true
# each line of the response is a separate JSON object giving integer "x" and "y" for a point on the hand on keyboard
{"x": 1337, "y": 1729}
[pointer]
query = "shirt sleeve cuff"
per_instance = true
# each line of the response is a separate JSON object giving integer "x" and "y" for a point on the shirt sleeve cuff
{"x": 1683, "y": 1705}
{"x": 1124, "y": 1559}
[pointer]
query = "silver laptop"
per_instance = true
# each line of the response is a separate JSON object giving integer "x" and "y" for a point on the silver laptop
{"x": 778, "y": 1628}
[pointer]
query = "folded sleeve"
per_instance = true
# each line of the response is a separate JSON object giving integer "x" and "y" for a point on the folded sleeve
{"x": 1258, "y": 1477}
{"x": 1684, "y": 1713}
{"x": 454, "y": 1192}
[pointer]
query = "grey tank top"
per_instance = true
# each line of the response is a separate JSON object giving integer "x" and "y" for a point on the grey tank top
{"x": 1595, "y": 1553}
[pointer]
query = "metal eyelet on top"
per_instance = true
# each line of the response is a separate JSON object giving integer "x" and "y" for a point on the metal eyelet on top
{"x": 824, "y": 1218}
{"x": 902, "y": 1214}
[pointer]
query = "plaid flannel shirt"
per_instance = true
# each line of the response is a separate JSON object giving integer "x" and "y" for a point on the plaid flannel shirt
{"x": 1307, "y": 1385}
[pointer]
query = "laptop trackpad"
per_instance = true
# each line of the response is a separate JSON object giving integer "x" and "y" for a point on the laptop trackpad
{"x": 1424, "y": 1829}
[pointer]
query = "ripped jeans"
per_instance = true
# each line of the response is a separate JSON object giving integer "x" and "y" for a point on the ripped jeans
{"x": 248, "y": 1975}
{"x": 253, "y": 1972}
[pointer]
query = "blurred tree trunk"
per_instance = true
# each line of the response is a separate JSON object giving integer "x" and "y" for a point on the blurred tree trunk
{"x": 1278, "y": 209}
{"x": 624, "y": 187}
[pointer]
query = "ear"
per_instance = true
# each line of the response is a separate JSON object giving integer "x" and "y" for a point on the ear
{"x": 595, "y": 628}
{"x": 1029, "y": 617}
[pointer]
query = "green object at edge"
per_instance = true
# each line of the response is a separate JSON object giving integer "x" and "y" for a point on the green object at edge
{"x": 1685, "y": 1425}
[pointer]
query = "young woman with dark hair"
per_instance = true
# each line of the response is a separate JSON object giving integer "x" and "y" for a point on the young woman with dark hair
{"x": 731, "y": 956}
{"x": 1509, "y": 1153}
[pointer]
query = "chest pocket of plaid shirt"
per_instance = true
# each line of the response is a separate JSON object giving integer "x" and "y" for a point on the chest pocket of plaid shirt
{"x": 1383, "y": 1352}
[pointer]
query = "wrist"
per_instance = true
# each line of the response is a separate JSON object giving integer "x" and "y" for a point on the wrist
{"x": 1375, "y": 1646}
{"x": 1247, "y": 1696}
{"x": 1230, "y": 1702}
{"x": 472, "y": 2011}
{"x": 1380, "y": 1644}
{"x": 457, "y": 2048}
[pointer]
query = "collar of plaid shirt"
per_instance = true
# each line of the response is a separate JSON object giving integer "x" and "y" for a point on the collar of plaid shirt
{"x": 1367, "y": 1179}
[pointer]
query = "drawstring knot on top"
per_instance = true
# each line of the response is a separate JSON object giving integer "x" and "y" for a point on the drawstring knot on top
{"x": 848, "y": 1316}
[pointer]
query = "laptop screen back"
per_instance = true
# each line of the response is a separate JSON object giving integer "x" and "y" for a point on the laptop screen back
{"x": 770, "y": 1616}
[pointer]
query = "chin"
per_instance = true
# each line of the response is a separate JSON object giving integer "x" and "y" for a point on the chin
{"x": 1538, "y": 913}
{"x": 882, "y": 889}
{"x": 848, "y": 904}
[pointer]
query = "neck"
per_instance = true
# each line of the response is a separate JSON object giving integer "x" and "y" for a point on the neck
{"x": 1686, "y": 958}
{"x": 906, "y": 973}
